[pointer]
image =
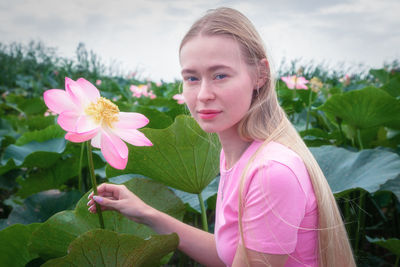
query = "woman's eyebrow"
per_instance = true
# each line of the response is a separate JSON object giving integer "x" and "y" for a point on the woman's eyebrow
{"x": 210, "y": 69}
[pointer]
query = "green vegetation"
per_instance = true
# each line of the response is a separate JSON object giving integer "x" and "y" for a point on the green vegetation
{"x": 351, "y": 124}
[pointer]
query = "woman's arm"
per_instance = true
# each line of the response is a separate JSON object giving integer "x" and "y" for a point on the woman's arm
{"x": 196, "y": 243}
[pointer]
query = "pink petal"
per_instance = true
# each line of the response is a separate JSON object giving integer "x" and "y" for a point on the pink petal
{"x": 133, "y": 137}
{"x": 289, "y": 82}
{"x": 301, "y": 86}
{"x": 131, "y": 120}
{"x": 114, "y": 150}
{"x": 96, "y": 141}
{"x": 67, "y": 120}
{"x": 90, "y": 90}
{"x": 85, "y": 123}
{"x": 82, "y": 137}
{"x": 58, "y": 101}
{"x": 76, "y": 93}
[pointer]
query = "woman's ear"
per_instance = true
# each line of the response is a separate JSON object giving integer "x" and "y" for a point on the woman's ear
{"x": 263, "y": 73}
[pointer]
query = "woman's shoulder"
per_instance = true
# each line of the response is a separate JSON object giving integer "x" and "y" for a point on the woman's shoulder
{"x": 279, "y": 153}
{"x": 283, "y": 162}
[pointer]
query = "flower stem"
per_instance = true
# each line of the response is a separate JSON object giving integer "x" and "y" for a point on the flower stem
{"x": 94, "y": 183}
{"x": 80, "y": 169}
{"x": 203, "y": 213}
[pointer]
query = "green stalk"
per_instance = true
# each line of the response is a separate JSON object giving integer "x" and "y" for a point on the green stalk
{"x": 397, "y": 261}
{"x": 360, "y": 221}
{"x": 359, "y": 139}
{"x": 309, "y": 108}
{"x": 203, "y": 213}
{"x": 80, "y": 169}
{"x": 94, "y": 183}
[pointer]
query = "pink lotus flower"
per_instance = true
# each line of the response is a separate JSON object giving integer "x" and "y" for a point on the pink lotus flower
{"x": 98, "y": 82}
{"x": 85, "y": 115}
{"x": 293, "y": 82}
{"x": 179, "y": 98}
{"x": 138, "y": 91}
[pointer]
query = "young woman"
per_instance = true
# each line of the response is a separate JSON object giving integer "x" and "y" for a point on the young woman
{"x": 274, "y": 206}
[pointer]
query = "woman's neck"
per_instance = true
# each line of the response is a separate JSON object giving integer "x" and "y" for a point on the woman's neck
{"x": 233, "y": 147}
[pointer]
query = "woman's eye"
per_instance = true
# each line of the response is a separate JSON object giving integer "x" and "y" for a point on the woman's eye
{"x": 220, "y": 76}
{"x": 191, "y": 79}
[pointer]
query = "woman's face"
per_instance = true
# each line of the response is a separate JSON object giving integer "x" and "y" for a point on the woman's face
{"x": 217, "y": 83}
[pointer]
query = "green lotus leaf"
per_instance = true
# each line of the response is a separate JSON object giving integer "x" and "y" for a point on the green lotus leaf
{"x": 51, "y": 132}
{"x": 380, "y": 74}
{"x": 182, "y": 156}
{"x": 393, "y": 86}
{"x": 65, "y": 166}
{"x": 393, "y": 186}
{"x": 391, "y": 244}
{"x": 368, "y": 169}
{"x": 27, "y": 105}
{"x": 52, "y": 238}
{"x": 40, "y": 154}
{"x": 193, "y": 200}
{"x": 106, "y": 248}
{"x": 41, "y": 206}
{"x": 14, "y": 245}
{"x": 364, "y": 108}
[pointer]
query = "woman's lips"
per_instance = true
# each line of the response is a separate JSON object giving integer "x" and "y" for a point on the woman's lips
{"x": 207, "y": 114}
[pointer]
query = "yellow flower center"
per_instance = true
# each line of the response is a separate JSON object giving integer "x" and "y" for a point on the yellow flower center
{"x": 104, "y": 111}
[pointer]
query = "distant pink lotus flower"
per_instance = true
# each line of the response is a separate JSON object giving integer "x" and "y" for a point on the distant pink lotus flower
{"x": 179, "y": 98}
{"x": 98, "y": 82}
{"x": 138, "y": 91}
{"x": 293, "y": 82}
{"x": 85, "y": 115}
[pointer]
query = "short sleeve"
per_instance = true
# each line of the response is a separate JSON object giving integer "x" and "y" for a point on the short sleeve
{"x": 275, "y": 205}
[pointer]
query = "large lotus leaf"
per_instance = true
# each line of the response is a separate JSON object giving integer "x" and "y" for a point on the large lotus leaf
{"x": 27, "y": 105}
{"x": 52, "y": 238}
{"x": 6, "y": 129}
{"x": 14, "y": 245}
{"x": 392, "y": 244}
{"x": 39, "y": 154}
{"x": 65, "y": 168}
{"x": 182, "y": 156}
{"x": 393, "y": 86}
{"x": 41, "y": 206}
{"x": 368, "y": 169}
{"x": 380, "y": 74}
{"x": 48, "y": 178}
{"x": 193, "y": 200}
{"x": 393, "y": 186}
{"x": 104, "y": 248}
{"x": 364, "y": 108}
{"x": 51, "y": 132}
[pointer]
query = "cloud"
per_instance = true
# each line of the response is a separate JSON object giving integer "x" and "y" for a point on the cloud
{"x": 146, "y": 34}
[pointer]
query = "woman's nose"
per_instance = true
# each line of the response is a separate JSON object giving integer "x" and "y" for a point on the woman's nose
{"x": 206, "y": 91}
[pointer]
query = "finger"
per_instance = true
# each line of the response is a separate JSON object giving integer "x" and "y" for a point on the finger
{"x": 112, "y": 189}
{"x": 106, "y": 202}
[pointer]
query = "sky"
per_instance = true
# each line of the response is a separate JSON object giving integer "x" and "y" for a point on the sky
{"x": 143, "y": 36}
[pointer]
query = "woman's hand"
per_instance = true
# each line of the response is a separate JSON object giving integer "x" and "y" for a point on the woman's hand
{"x": 121, "y": 199}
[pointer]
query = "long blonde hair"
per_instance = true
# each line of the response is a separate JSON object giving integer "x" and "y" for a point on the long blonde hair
{"x": 266, "y": 120}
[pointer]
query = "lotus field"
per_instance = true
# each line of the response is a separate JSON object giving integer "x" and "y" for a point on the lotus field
{"x": 54, "y": 147}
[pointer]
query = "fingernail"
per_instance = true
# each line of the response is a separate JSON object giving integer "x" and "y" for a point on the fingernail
{"x": 89, "y": 195}
{"x": 88, "y": 203}
{"x": 98, "y": 199}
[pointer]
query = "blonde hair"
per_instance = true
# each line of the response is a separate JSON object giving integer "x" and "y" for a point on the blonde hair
{"x": 266, "y": 120}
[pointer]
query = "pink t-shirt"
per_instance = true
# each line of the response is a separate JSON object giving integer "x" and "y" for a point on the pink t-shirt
{"x": 280, "y": 206}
